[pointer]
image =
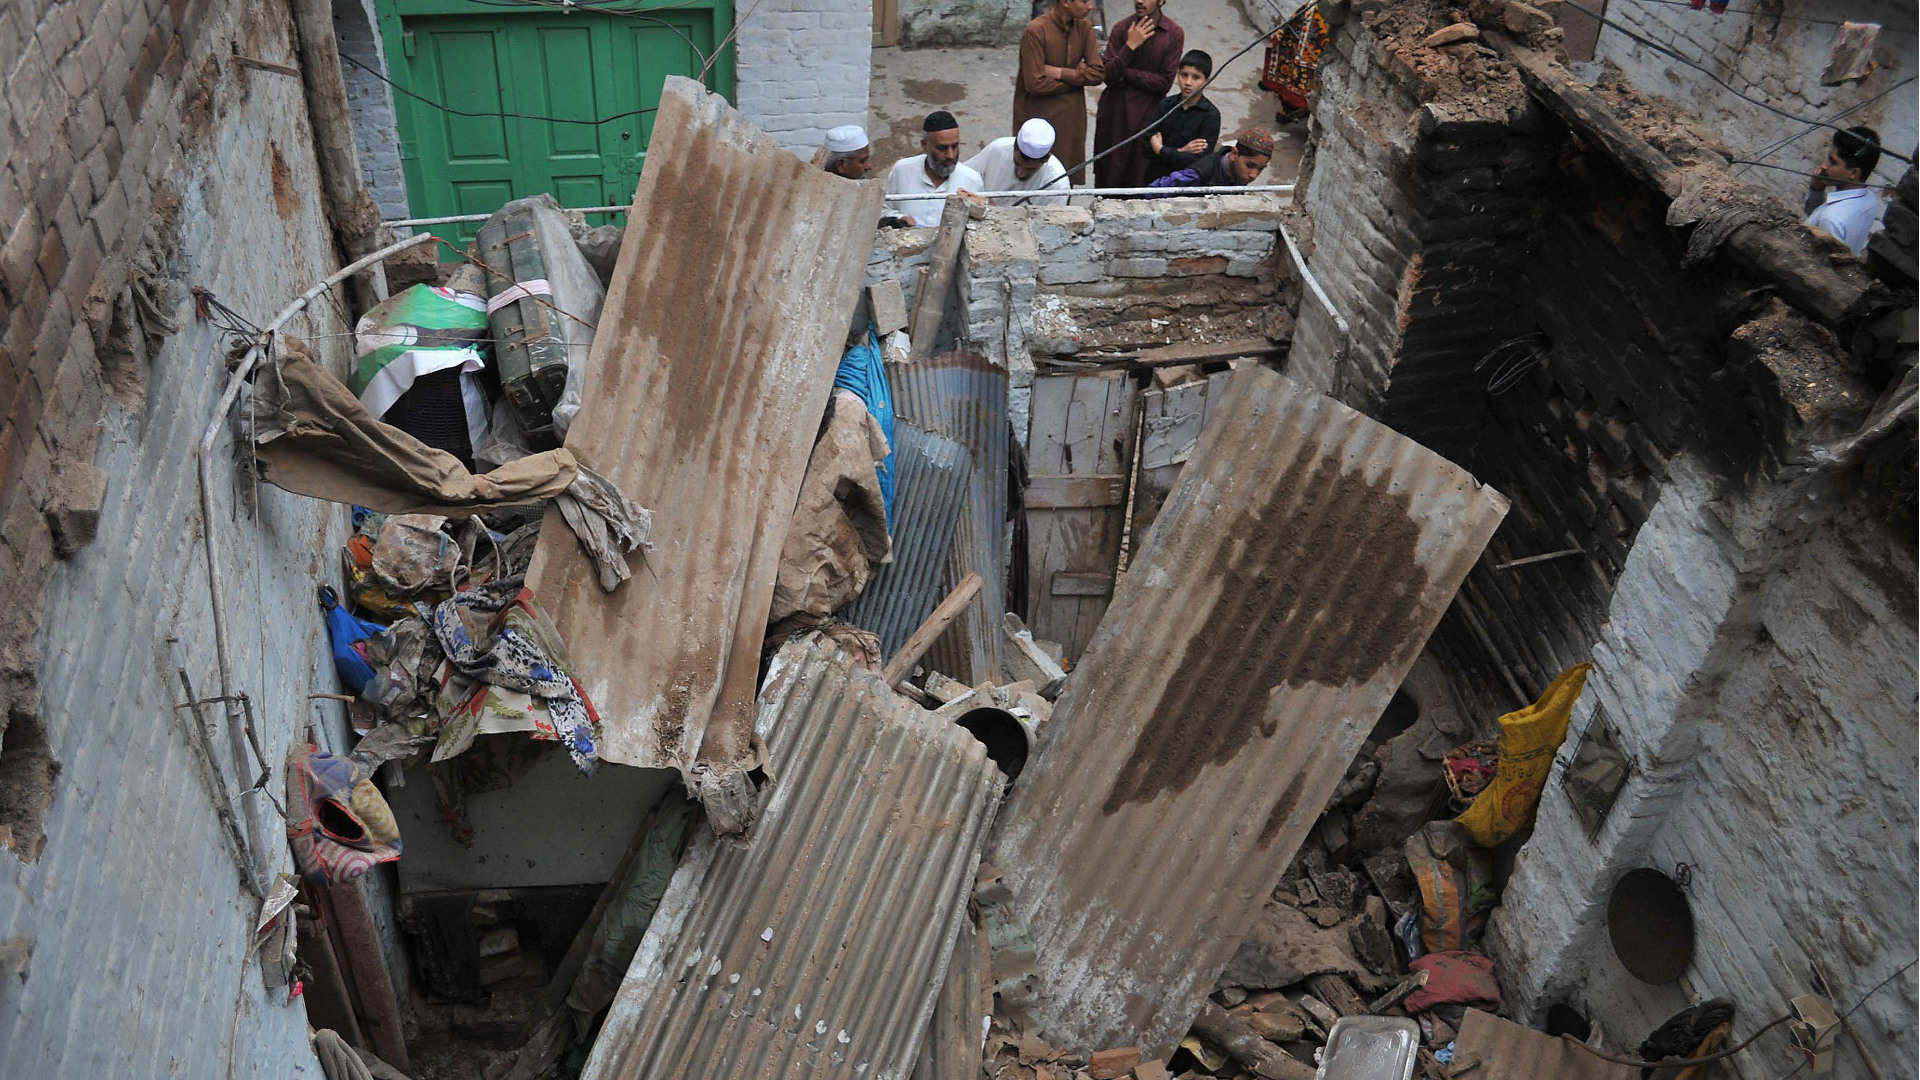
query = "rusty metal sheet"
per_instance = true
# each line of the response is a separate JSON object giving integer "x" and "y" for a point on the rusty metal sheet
{"x": 1280, "y": 597}
{"x": 818, "y": 949}
{"x": 1508, "y": 1051}
{"x": 964, "y": 397}
{"x": 934, "y": 480}
{"x": 957, "y": 1034}
{"x": 710, "y": 368}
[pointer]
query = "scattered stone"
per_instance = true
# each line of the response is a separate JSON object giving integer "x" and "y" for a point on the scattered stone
{"x": 1274, "y": 1026}
{"x": 1409, "y": 789}
{"x": 1391, "y": 875}
{"x": 1150, "y": 1070}
{"x": 1285, "y": 946}
{"x": 1340, "y": 888}
{"x": 1525, "y": 19}
{"x": 1325, "y": 915}
{"x": 1230, "y": 995}
{"x": 1113, "y": 1064}
{"x": 1373, "y": 943}
{"x": 73, "y": 506}
{"x": 1448, "y": 35}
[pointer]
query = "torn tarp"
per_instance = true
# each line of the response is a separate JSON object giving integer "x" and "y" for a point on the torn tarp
{"x": 839, "y": 527}
{"x": 711, "y": 365}
{"x": 313, "y": 437}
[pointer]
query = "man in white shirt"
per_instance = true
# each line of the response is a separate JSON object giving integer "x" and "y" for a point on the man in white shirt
{"x": 1850, "y": 207}
{"x": 937, "y": 171}
{"x": 1023, "y": 162}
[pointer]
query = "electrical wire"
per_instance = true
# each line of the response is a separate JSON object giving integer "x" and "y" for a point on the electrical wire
{"x": 1778, "y": 145}
{"x": 450, "y": 110}
{"x": 569, "y": 6}
{"x": 726, "y": 41}
{"x": 1729, "y": 87}
{"x": 1751, "y": 11}
{"x": 1796, "y": 172}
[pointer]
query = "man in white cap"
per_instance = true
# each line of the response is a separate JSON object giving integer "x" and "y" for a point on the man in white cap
{"x": 848, "y": 153}
{"x": 1023, "y": 162}
{"x": 936, "y": 172}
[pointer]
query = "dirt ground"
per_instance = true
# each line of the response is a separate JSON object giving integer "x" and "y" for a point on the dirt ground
{"x": 976, "y": 85}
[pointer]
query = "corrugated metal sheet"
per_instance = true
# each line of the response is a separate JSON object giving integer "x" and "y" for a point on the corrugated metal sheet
{"x": 930, "y": 495}
{"x": 965, "y": 398}
{"x": 951, "y": 1050}
{"x": 817, "y": 949}
{"x": 1508, "y": 1051}
{"x": 1289, "y": 582}
{"x": 710, "y": 369}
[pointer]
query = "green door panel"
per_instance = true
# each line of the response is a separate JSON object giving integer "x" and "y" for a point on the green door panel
{"x": 552, "y": 74}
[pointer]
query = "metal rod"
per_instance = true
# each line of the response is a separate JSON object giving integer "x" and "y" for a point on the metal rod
{"x": 1529, "y": 560}
{"x": 1313, "y": 283}
{"x": 1254, "y": 189}
{"x": 200, "y": 744}
{"x": 237, "y": 725}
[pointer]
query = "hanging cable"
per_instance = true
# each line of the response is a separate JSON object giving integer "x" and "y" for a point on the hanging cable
{"x": 1729, "y": 87}
{"x": 1778, "y": 145}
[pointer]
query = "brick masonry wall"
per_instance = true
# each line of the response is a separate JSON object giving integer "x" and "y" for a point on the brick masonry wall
{"x": 132, "y": 140}
{"x": 1776, "y": 56}
{"x": 803, "y": 67}
{"x": 370, "y": 100}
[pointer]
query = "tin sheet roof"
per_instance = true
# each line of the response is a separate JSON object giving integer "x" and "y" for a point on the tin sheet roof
{"x": 1291, "y": 579}
{"x": 934, "y": 482}
{"x": 710, "y": 369}
{"x": 817, "y": 949}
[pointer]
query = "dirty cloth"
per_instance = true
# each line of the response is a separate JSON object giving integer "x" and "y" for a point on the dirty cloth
{"x": 1058, "y": 40}
{"x": 1293, "y": 58}
{"x": 313, "y": 437}
{"x": 505, "y": 660}
{"x": 1136, "y": 81}
{"x": 1456, "y": 885}
{"x": 1529, "y": 738}
{"x": 864, "y": 372}
{"x": 839, "y": 528}
{"x": 412, "y": 552}
{"x": 339, "y": 824}
{"x": 1454, "y": 978}
{"x": 348, "y": 635}
{"x": 416, "y": 332}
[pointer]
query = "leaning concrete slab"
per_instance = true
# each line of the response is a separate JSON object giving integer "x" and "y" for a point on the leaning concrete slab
{"x": 1282, "y": 593}
{"x": 711, "y": 366}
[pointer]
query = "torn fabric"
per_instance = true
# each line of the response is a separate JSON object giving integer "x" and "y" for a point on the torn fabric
{"x": 839, "y": 528}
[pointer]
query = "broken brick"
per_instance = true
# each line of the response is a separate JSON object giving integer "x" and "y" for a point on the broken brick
{"x": 1113, "y": 1064}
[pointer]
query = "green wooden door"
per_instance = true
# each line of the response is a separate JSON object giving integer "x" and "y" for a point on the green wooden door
{"x": 501, "y": 104}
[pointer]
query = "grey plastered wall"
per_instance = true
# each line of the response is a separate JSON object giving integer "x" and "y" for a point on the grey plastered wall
{"x": 1775, "y": 53}
{"x": 803, "y": 67}
{"x": 926, "y": 23}
{"x": 137, "y": 921}
{"x": 370, "y": 100}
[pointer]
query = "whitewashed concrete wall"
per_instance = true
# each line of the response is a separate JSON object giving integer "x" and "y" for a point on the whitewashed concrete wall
{"x": 138, "y": 923}
{"x": 803, "y": 67}
{"x": 1775, "y": 55}
{"x": 1766, "y": 700}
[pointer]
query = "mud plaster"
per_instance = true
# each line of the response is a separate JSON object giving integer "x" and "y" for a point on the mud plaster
{"x": 1321, "y": 587}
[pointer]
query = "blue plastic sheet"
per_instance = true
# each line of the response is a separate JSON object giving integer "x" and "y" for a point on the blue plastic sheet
{"x": 865, "y": 373}
{"x": 348, "y": 632}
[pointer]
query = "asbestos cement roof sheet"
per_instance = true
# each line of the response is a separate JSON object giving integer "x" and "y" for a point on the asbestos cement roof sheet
{"x": 1279, "y": 599}
{"x": 1508, "y": 1051}
{"x": 710, "y": 368}
{"x": 818, "y": 948}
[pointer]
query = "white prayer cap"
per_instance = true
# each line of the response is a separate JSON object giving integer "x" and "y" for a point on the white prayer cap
{"x": 846, "y": 138}
{"x": 1035, "y": 139}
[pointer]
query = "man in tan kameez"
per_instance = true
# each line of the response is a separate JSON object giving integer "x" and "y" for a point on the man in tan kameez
{"x": 1059, "y": 59}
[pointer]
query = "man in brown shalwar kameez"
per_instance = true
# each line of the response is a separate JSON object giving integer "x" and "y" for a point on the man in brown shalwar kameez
{"x": 1059, "y": 59}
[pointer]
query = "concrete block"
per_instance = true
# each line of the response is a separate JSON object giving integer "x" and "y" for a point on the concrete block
{"x": 1138, "y": 267}
{"x": 1066, "y": 272}
{"x": 73, "y": 505}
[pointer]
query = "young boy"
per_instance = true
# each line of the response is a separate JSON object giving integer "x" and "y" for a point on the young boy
{"x": 1184, "y": 133}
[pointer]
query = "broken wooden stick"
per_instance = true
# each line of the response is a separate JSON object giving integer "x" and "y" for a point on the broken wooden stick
{"x": 1337, "y": 993}
{"x": 1244, "y": 1045}
{"x": 1399, "y": 993}
{"x": 923, "y": 638}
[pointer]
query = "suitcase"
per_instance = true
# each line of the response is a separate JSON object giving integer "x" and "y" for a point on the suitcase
{"x": 542, "y": 301}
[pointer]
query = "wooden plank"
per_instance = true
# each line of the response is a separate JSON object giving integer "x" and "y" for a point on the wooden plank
{"x": 1075, "y": 492}
{"x": 917, "y": 645}
{"x": 1092, "y": 584}
{"x": 1080, "y": 454}
{"x": 1171, "y": 422}
{"x": 1197, "y": 352}
{"x": 936, "y": 287}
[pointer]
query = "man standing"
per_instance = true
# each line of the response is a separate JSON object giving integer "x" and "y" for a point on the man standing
{"x": 1839, "y": 200}
{"x": 1187, "y": 125}
{"x": 1059, "y": 59}
{"x": 1236, "y": 166}
{"x": 936, "y": 171}
{"x": 1143, "y": 55}
{"x": 848, "y": 153}
{"x": 1023, "y": 162}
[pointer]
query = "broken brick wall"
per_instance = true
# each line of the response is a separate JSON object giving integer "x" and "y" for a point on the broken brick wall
{"x": 137, "y": 157}
{"x": 1774, "y": 50}
{"x": 1661, "y": 418}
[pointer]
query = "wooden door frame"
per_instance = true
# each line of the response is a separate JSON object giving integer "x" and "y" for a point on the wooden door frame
{"x": 391, "y": 13}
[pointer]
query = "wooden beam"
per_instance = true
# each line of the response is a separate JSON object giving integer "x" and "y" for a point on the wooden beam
{"x": 1197, "y": 352}
{"x": 1244, "y": 1045}
{"x": 936, "y": 288}
{"x": 923, "y": 638}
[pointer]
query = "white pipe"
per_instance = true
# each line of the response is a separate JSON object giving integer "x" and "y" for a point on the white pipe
{"x": 1313, "y": 283}
{"x": 216, "y": 584}
{"x": 455, "y": 219}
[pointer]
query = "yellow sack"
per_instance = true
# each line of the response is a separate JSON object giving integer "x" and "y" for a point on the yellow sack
{"x": 1528, "y": 740}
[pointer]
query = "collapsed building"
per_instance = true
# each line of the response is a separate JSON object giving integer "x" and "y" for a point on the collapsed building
{"x": 1289, "y": 501}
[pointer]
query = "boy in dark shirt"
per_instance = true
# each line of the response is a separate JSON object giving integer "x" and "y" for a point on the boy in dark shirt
{"x": 1182, "y": 136}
